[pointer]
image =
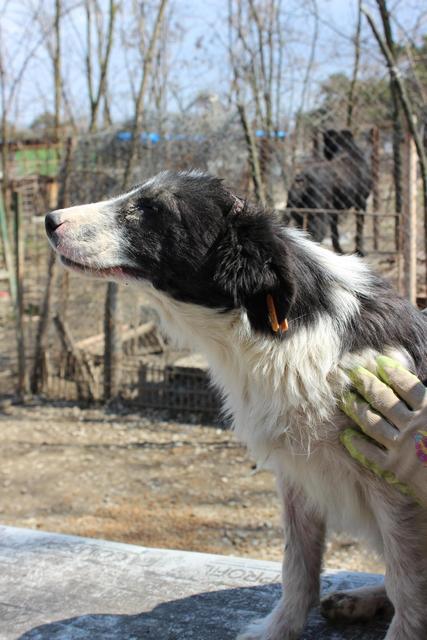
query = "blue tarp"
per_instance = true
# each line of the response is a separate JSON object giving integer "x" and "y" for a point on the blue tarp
{"x": 259, "y": 133}
{"x": 154, "y": 137}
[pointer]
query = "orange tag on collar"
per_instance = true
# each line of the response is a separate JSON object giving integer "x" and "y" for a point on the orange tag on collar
{"x": 272, "y": 315}
{"x": 284, "y": 325}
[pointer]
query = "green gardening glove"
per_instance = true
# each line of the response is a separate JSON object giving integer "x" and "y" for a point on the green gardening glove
{"x": 390, "y": 408}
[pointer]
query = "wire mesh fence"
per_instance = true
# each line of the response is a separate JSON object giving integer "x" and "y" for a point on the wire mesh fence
{"x": 338, "y": 186}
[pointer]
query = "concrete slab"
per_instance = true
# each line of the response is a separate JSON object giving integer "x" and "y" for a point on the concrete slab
{"x": 55, "y": 587}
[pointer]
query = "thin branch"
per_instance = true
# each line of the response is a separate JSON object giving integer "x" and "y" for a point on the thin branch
{"x": 351, "y": 93}
{"x": 89, "y": 70}
{"x": 57, "y": 66}
{"x": 104, "y": 61}
{"x": 407, "y": 110}
{"x": 139, "y": 103}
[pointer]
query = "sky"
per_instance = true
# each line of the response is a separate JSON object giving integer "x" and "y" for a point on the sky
{"x": 197, "y": 53}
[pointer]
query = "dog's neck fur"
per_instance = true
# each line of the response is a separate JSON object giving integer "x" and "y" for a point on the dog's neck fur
{"x": 275, "y": 389}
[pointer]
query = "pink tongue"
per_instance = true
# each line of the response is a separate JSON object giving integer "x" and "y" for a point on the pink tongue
{"x": 117, "y": 271}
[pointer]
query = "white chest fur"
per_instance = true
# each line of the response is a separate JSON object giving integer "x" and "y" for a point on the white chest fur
{"x": 282, "y": 396}
{"x": 272, "y": 389}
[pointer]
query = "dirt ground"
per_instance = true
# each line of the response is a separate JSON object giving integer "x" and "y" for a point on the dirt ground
{"x": 141, "y": 480}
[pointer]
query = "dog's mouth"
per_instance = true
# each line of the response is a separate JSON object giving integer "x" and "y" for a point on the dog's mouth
{"x": 119, "y": 272}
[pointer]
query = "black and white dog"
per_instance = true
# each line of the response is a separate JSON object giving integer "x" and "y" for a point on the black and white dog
{"x": 281, "y": 320}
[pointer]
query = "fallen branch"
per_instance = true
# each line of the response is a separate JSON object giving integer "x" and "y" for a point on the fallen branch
{"x": 81, "y": 359}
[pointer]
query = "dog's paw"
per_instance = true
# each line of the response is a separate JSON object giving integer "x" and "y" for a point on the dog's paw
{"x": 264, "y": 630}
{"x": 358, "y": 605}
{"x": 255, "y": 631}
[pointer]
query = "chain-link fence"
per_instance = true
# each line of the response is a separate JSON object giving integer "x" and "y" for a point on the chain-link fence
{"x": 338, "y": 185}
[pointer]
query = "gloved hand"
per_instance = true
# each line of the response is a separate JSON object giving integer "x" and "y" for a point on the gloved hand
{"x": 392, "y": 410}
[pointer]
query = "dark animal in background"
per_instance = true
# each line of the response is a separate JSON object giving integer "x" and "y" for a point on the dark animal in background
{"x": 340, "y": 181}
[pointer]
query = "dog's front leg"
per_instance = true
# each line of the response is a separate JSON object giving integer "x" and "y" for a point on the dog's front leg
{"x": 304, "y": 543}
{"x": 404, "y": 530}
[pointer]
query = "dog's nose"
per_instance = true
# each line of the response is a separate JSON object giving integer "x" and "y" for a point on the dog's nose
{"x": 52, "y": 222}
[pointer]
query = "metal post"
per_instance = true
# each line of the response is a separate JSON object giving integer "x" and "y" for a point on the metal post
{"x": 410, "y": 221}
{"x": 19, "y": 304}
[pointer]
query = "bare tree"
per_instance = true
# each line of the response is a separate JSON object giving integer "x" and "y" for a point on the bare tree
{"x": 307, "y": 78}
{"x": 112, "y": 346}
{"x": 57, "y": 66}
{"x": 97, "y": 91}
{"x": 40, "y": 346}
{"x": 160, "y": 77}
{"x": 256, "y": 52}
{"x": 253, "y": 153}
{"x": 352, "y": 90}
{"x": 254, "y": 49}
{"x": 404, "y": 101}
{"x": 396, "y": 118}
{"x": 51, "y": 27}
{"x": 148, "y": 54}
{"x": 13, "y": 66}
{"x": 14, "y": 63}
{"x": 54, "y": 51}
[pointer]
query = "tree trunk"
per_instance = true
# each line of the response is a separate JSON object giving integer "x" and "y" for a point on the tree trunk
{"x": 57, "y": 68}
{"x": 41, "y": 336}
{"x": 397, "y": 124}
{"x": 139, "y": 101}
{"x": 104, "y": 60}
{"x": 36, "y": 382}
{"x": 351, "y": 94}
{"x": 409, "y": 115}
{"x": 253, "y": 155}
{"x": 112, "y": 345}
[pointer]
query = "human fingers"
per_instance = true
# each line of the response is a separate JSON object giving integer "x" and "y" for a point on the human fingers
{"x": 371, "y": 423}
{"x": 381, "y": 397}
{"x": 403, "y": 382}
{"x": 372, "y": 457}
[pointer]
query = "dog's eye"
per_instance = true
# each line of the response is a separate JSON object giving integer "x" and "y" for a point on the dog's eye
{"x": 146, "y": 207}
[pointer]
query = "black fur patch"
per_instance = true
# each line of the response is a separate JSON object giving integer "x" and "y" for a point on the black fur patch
{"x": 387, "y": 319}
{"x": 191, "y": 242}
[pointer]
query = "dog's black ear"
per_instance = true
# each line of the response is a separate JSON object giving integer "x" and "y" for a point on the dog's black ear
{"x": 252, "y": 267}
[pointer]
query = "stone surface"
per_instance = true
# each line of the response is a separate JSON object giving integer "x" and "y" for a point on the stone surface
{"x": 55, "y": 587}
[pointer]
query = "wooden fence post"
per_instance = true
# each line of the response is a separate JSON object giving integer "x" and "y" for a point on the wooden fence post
{"x": 410, "y": 221}
{"x": 112, "y": 346}
{"x": 8, "y": 259}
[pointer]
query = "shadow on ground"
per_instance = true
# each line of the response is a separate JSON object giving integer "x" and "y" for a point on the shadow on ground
{"x": 217, "y": 615}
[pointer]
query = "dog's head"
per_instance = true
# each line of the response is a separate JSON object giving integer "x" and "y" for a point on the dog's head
{"x": 187, "y": 235}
